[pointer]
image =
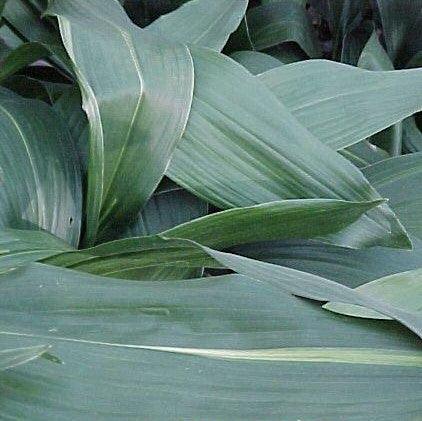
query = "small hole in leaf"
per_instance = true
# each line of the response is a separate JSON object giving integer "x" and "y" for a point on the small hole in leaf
{"x": 70, "y": 221}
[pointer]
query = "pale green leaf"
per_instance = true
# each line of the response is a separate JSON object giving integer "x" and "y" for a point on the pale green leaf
{"x": 201, "y": 22}
{"x": 242, "y": 147}
{"x": 341, "y": 104}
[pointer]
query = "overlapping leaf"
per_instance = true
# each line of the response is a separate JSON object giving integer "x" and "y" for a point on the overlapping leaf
{"x": 137, "y": 104}
{"x": 41, "y": 186}
{"x": 342, "y": 105}
{"x": 252, "y": 336}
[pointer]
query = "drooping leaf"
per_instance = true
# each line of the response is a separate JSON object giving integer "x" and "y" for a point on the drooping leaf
{"x": 201, "y": 22}
{"x": 137, "y": 104}
{"x": 282, "y": 21}
{"x": 133, "y": 258}
{"x": 241, "y": 147}
{"x": 399, "y": 179}
{"x": 305, "y": 218}
{"x": 347, "y": 266}
{"x": 41, "y": 186}
{"x": 255, "y": 61}
{"x": 342, "y": 105}
{"x": 403, "y": 290}
{"x": 210, "y": 348}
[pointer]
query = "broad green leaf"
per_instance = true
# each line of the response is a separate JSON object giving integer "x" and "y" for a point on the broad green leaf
{"x": 11, "y": 358}
{"x": 340, "y": 104}
{"x": 137, "y": 103}
{"x": 41, "y": 186}
{"x": 132, "y": 258}
{"x": 241, "y": 147}
{"x": 347, "y": 266}
{"x": 282, "y": 21}
{"x": 399, "y": 179}
{"x": 403, "y": 290}
{"x": 201, "y": 22}
{"x": 255, "y": 61}
{"x": 229, "y": 330}
{"x": 401, "y": 21}
{"x": 22, "y": 56}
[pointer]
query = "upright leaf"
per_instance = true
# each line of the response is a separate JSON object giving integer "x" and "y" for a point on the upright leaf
{"x": 41, "y": 186}
{"x": 137, "y": 103}
{"x": 282, "y": 21}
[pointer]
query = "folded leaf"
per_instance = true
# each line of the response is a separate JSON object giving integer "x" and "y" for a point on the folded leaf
{"x": 342, "y": 105}
{"x": 137, "y": 102}
{"x": 202, "y": 22}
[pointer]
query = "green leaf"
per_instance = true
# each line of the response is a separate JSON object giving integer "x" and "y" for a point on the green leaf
{"x": 11, "y": 358}
{"x": 412, "y": 136}
{"x": 401, "y": 21}
{"x": 201, "y": 22}
{"x": 256, "y": 62}
{"x": 399, "y": 179}
{"x": 374, "y": 57}
{"x": 34, "y": 195}
{"x": 134, "y": 257}
{"x": 19, "y": 247}
{"x": 403, "y": 290}
{"x": 168, "y": 207}
{"x": 26, "y": 22}
{"x": 137, "y": 104}
{"x": 344, "y": 265}
{"x": 342, "y": 105}
{"x": 364, "y": 153}
{"x": 282, "y": 21}
{"x": 241, "y": 147}
{"x": 22, "y": 56}
{"x": 228, "y": 330}
{"x": 305, "y": 218}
